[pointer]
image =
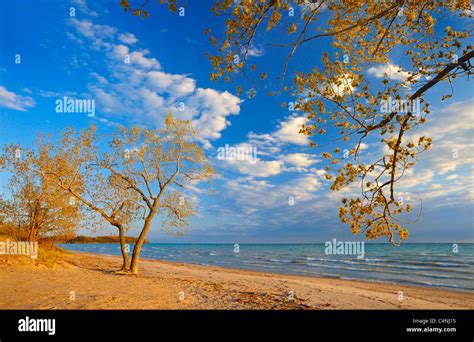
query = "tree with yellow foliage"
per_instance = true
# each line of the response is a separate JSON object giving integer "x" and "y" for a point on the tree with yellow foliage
{"x": 68, "y": 168}
{"x": 337, "y": 96}
{"x": 35, "y": 207}
{"x": 157, "y": 166}
{"x": 130, "y": 177}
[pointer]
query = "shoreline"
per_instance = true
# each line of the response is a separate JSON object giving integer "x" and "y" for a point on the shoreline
{"x": 287, "y": 272}
{"x": 268, "y": 272}
{"x": 86, "y": 281}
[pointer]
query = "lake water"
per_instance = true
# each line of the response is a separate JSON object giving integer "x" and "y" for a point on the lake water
{"x": 431, "y": 264}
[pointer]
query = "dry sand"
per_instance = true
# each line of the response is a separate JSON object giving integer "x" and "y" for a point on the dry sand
{"x": 86, "y": 281}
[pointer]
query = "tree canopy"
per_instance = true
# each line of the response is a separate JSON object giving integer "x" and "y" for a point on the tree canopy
{"x": 125, "y": 178}
{"x": 334, "y": 92}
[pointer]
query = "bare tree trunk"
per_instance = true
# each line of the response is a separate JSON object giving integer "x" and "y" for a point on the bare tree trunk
{"x": 138, "y": 245}
{"x": 123, "y": 248}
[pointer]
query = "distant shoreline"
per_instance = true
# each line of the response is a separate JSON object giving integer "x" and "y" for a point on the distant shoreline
{"x": 291, "y": 243}
{"x": 82, "y": 239}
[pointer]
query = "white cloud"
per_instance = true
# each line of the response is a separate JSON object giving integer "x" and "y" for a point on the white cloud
{"x": 151, "y": 100}
{"x": 452, "y": 132}
{"x": 287, "y": 201}
{"x": 142, "y": 89}
{"x": 258, "y": 168}
{"x": 266, "y": 143}
{"x": 394, "y": 72}
{"x": 128, "y": 38}
{"x": 120, "y": 52}
{"x": 269, "y": 145}
{"x": 100, "y": 79}
{"x": 139, "y": 58}
{"x": 411, "y": 178}
{"x": 14, "y": 101}
{"x": 339, "y": 86}
{"x": 308, "y": 6}
{"x": 301, "y": 160}
{"x": 81, "y": 4}
{"x": 255, "y": 51}
{"x": 93, "y": 31}
{"x": 179, "y": 85}
{"x": 214, "y": 107}
{"x": 288, "y": 131}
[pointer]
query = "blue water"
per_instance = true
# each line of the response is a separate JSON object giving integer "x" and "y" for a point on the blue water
{"x": 418, "y": 264}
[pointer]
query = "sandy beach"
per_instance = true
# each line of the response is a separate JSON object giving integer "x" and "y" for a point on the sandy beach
{"x": 86, "y": 281}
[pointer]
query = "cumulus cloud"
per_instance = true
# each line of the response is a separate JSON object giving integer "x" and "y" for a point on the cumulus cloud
{"x": 258, "y": 168}
{"x": 288, "y": 131}
{"x": 418, "y": 178}
{"x": 279, "y": 204}
{"x": 394, "y": 72}
{"x": 128, "y": 38}
{"x": 300, "y": 160}
{"x": 269, "y": 146}
{"x": 93, "y": 31}
{"x": 451, "y": 129}
{"x": 140, "y": 58}
{"x": 14, "y": 101}
{"x": 179, "y": 85}
{"x": 137, "y": 86}
{"x": 433, "y": 178}
{"x": 214, "y": 107}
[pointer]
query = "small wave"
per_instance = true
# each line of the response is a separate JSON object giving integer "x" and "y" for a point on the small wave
{"x": 370, "y": 280}
{"x": 425, "y": 267}
{"x": 426, "y": 262}
{"x": 329, "y": 275}
{"x": 443, "y": 276}
{"x": 440, "y": 284}
{"x": 281, "y": 260}
{"x": 263, "y": 266}
{"x": 312, "y": 264}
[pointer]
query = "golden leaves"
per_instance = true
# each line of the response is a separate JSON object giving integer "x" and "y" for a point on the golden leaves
{"x": 292, "y": 28}
{"x": 335, "y": 95}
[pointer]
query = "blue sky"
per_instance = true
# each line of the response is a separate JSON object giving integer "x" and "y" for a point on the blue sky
{"x": 83, "y": 57}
